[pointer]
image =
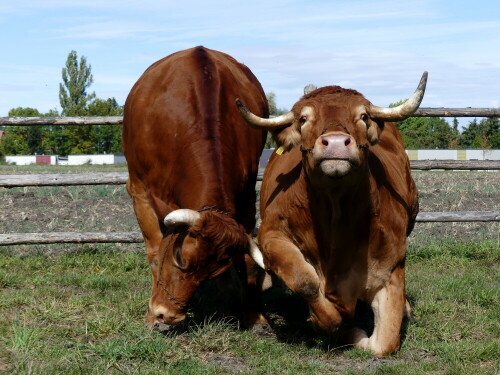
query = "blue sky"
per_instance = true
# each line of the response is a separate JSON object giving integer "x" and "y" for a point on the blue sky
{"x": 379, "y": 48}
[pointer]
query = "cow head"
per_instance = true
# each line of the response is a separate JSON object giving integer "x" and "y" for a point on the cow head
{"x": 200, "y": 246}
{"x": 333, "y": 128}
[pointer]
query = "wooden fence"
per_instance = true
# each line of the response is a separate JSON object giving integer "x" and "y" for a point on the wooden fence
{"x": 114, "y": 120}
{"x": 118, "y": 178}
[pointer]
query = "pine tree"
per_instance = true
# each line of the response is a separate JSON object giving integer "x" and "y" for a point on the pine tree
{"x": 74, "y": 100}
{"x": 77, "y": 77}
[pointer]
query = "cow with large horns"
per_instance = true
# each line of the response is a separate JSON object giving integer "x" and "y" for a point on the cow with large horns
{"x": 193, "y": 166}
{"x": 337, "y": 208}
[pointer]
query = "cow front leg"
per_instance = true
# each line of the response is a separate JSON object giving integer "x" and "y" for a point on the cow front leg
{"x": 287, "y": 262}
{"x": 150, "y": 228}
{"x": 389, "y": 305}
{"x": 252, "y": 279}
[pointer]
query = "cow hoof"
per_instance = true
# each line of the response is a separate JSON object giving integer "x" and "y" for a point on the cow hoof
{"x": 263, "y": 330}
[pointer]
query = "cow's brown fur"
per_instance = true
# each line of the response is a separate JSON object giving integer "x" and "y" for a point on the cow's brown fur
{"x": 337, "y": 240}
{"x": 187, "y": 147}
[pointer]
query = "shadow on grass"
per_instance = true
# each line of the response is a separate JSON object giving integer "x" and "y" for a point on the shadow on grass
{"x": 287, "y": 314}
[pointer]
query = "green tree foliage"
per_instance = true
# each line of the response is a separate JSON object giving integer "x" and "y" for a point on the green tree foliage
{"x": 273, "y": 108}
{"x": 77, "y": 77}
{"x": 74, "y": 99}
{"x": 422, "y": 132}
{"x": 107, "y": 138}
{"x": 483, "y": 134}
{"x": 273, "y": 111}
{"x": 426, "y": 132}
{"x": 25, "y": 140}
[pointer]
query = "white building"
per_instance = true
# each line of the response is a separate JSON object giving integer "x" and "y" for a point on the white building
{"x": 475, "y": 154}
{"x": 31, "y": 159}
{"x": 96, "y": 159}
{"x": 70, "y": 160}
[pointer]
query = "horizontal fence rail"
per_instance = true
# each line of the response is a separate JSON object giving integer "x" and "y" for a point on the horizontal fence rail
{"x": 136, "y": 237}
{"x": 457, "y": 112}
{"x": 115, "y": 120}
{"x": 119, "y": 178}
{"x": 63, "y": 179}
{"x": 84, "y": 120}
{"x": 69, "y": 237}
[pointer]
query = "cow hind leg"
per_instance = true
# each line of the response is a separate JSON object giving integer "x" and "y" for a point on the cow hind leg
{"x": 389, "y": 306}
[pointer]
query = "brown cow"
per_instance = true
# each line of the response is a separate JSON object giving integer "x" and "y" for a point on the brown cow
{"x": 193, "y": 165}
{"x": 337, "y": 208}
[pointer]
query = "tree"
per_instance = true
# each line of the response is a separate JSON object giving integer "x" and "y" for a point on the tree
{"x": 273, "y": 108}
{"x": 108, "y": 138}
{"x": 273, "y": 111}
{"x": 31, "y": 135}
{"x": 77, "y": 77}
{"x": 74, "y": 99}
{"x": 425, "y": 132}
{"x": 483, "y": 134}
{"x": 26, "y": 140}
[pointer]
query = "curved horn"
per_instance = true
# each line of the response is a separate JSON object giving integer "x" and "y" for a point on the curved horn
{"x": 255, "y": 252}
{"x": 182, "y": 216}
{"x": 264, "y": 123}
{"x": 402, "y": 111}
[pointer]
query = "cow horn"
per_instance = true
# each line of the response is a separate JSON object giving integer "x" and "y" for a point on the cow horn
{"x": 255, "y": 253}
{"x": 402, "y": 111}
{"x": 182, "y": 216}
{"x": 264, "y": 123}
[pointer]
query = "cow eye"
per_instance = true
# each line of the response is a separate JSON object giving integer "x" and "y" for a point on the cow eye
{"x": 302, "y": 120}
{"x": 364, "y": 117}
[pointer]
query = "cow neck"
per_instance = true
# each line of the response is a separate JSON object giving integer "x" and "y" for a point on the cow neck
{"x": 340, "y": 214}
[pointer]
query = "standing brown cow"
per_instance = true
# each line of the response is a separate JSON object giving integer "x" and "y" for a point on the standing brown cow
{"x": 337, "y": 208}
{"x": 193, "y": 164}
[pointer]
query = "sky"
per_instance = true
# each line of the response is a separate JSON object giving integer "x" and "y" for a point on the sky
{"x": 380, "y": 48}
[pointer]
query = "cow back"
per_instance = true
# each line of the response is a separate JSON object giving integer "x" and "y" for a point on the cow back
{"x": 183, "y": 136}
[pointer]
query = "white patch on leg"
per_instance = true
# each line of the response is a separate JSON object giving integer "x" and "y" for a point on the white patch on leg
{"x": 359, "y": 338}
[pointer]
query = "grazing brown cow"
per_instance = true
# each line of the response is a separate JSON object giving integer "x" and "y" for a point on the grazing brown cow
{"x": 193, "y": 165}
{"x": 337, "y": 208}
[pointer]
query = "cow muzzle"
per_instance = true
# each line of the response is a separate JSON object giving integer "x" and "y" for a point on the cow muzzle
{"x": 159, "y": 314}
{"x": 335, "y": 153}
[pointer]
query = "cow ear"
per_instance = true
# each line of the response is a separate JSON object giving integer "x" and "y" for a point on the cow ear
{"x": 287, "y": 138}
{"x": 179, "y": 260}
{"x": 373, "y": 132}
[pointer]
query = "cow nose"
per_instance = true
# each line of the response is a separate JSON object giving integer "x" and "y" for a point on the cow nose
{"x": 164, "y": 315}
{"x": 336, "y": 140}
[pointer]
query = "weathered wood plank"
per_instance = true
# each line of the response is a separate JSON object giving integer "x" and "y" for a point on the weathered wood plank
{"x": 117, "y": 178}
{"x": 113, "y": 120}
{"x": 69, "y": 237}
{"x": 85, "y": 120}
{"x": 136, "y": 237}
{"x": 458, "y": 216}
{"x": 68, "y": 179}
{"x": 457, "y": 112}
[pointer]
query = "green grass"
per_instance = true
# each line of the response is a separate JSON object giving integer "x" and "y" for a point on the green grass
{"x": 82, "y": 313}
{"x": 43, "y": 168}
{"x": 79, "y": 309}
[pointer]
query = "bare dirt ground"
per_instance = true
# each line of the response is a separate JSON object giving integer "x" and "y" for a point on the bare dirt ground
{"x": 109, "y": 208}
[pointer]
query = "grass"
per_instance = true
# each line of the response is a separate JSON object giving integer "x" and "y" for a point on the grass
{"x": 79, "y": 309}
{"x": 82, "y": 313}
{"x": 43, "y": 168}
